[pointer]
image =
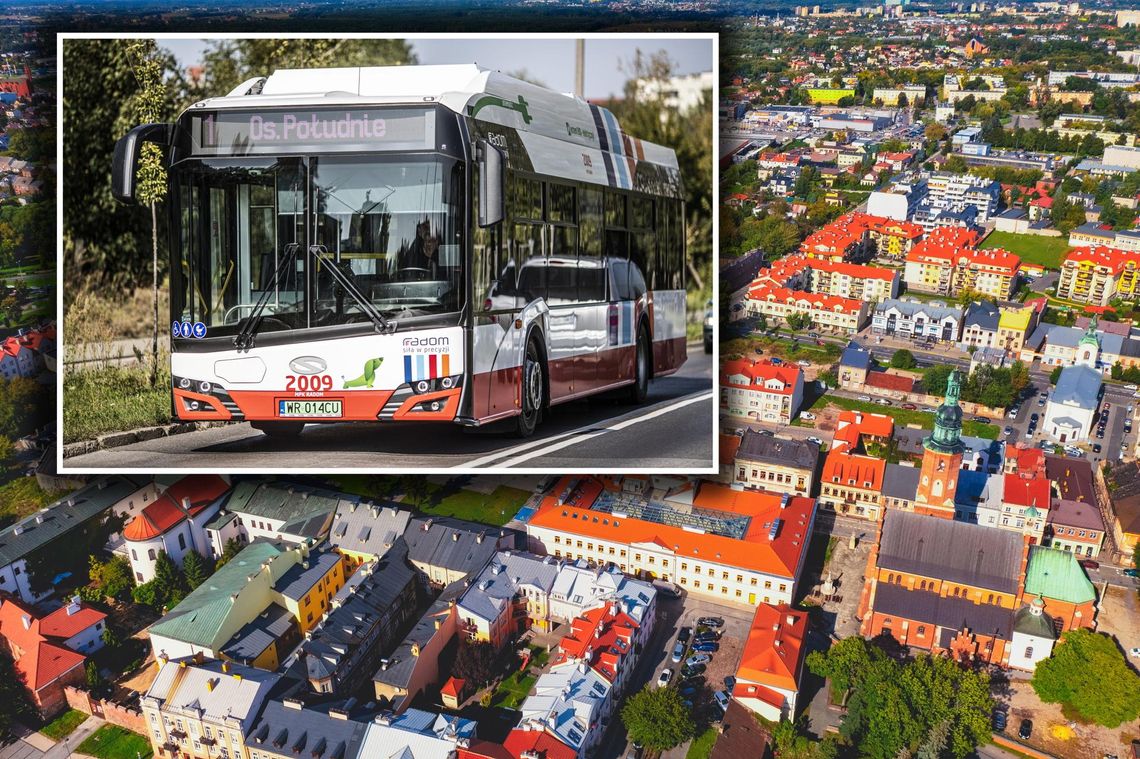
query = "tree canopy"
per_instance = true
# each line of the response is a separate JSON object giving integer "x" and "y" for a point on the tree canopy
{"x": 657, "y": 719}
{"x": 1088, "y": 675}
{"x": 929, "y": 705}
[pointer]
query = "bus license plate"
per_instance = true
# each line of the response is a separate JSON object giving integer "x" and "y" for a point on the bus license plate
{"x": 309, "y": 408}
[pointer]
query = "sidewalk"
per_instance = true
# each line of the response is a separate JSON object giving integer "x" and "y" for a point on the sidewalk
{"x": 30, "y": 744}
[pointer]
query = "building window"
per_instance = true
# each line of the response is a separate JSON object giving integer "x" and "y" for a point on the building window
{"x": 921, "y": 630}
{"x": 182, "y": 541}
{"x": 1029, "y": 652}
{"x": 150, "y": 554}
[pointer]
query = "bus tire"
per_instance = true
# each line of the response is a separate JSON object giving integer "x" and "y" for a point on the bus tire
{"x": 532, "y": 390}
{"x": 279, "y": 429}
{"x": 641, "y": 360}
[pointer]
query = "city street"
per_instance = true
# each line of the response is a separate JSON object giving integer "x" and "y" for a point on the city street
{"x": 582, "y": 435}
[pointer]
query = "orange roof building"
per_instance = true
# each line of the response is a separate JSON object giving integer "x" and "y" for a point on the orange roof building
{"x": 843, "y": 314}
{"x": 768, "y": 678}
{"x": 603, "y": 638}
{"x": 761, "y": 390}
{"x": 174, "y": 522}
{"x": 50, "y": 652}
{"x": 740, "y": 545}
{"x": 1097, "y": 274}
{"x": 947, "y": 263}
{"x": 852, "y": 484}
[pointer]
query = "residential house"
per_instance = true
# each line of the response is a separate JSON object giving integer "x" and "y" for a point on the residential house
{"x": 1124, "y": 492}
{"x": 846, "y": 315}
{"x": 446, "y": 550}
{"x": 762, "y": 390}
{"x": 416, "y": 734}
{"x": 511, "y": 595}
{"x": 1098, "y": 274}
{"x": 915, "y": 320}
{"x": 50, "y": 652}
{"x": 770, "y": 672}
{"x": 414, "y": 665}
{"x": 273, "y": 510}
{"x": 1076, "y": 527}
{"x": 287, "y": 728}
{"x": 980, "y": 325}
{"x": 854, "y": 364}
{"x": 79, "y": 513}
{"x": 363, "y": 532}
{"x": 198, "y": 709}
{"x": 765, "y": 462}
{"x": 852, "y": 484}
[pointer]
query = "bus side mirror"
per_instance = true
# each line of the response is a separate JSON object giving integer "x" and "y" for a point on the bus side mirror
{"x": 124, "y": 166}
{"x": 490, "y": 184}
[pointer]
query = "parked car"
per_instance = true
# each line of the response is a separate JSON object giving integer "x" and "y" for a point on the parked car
{"x": 688, "y": 690}
{"x": 1096, "y": 447}
{"x": 1041, "y": 401}
{"x": 706, "y": 647}
{"x": 1130, "y": 572}
{"x": 1008, "y": 431}
{"x": 864, "y": 398}
{"x": 678, "y": 652}
{"x": 804, "y": 362}
{"x": 716, "y": 622}
{"x": 760, "y": 351}
{"x": 807, "y": 416}
{"x": 1012, "y": 413}
{"x": 730, "y": 682}
{"x": 1134, "y": 653}
{"x": 1034, "y": 417}
{"x": 814, "y": 439}
{"x": 882, "y": 401}
{"x": 697, "y": 659}
{"x": 909, "y": 406}
{"x": 1025, "y": 730}
{"x": 687, "y": 671}
{"x": 1131, "y": 387}
{"x": 684, "y": 634}
{"x": 999, "y": 721}
{"x": 705, "y": 635}
{"x": 666, "y": 588}
{"x": 1089, "y": 564}
{"x": 664, "y": 677}
{"x": 776, "y": 361}
{"x": 722, "y": 699}
{"x": 813, "y": 334}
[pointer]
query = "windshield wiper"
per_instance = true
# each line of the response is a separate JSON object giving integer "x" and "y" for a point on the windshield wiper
{"x": 346, "y": 284}
{"x": 243, "y": 340}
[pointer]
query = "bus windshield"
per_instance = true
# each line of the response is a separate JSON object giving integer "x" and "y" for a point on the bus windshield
{"x": 390, "y": 224}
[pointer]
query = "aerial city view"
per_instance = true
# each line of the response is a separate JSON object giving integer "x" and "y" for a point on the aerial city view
{"x": 922, "y": 537}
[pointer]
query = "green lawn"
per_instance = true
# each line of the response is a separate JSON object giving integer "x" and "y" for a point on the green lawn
{"x": 703, "y": 744}
{"x": 1047, "y": 251}
{"x": 495, "y": 508}
{"x": 112, "y": 742}
{"x": 113, "y": 399}
{"x": 513, "y": 691}
{"x": 63, "y": 725}
{"x": 906, "y": 416}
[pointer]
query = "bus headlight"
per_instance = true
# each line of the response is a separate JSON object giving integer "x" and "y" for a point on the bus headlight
{"x": 194, "y": 405}
{"x": 184, "y": 383}
{"x": 204, "y": 387}
{"x": 423, "y": 386}
{"x": 446, "y": 383}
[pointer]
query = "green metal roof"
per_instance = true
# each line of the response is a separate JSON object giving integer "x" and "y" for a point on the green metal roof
{"x": 1054, "y": 573}
{"x": 199, "y": 618}
{"x": 306, "y": 511}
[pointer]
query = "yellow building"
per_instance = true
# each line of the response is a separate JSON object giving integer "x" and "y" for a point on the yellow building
{"x": 829, "y": 95}
{"x": 204, "y": 709}
{"x": 1014, "y": 326}
{"x": 1098, "y": 274}
{"x": 307, "y": 589}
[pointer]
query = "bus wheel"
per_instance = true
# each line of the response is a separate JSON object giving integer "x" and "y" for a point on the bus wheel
{"x": 532, "y": 390}
{"x": 640, "y": 387}
{"x": 279, "y": 429}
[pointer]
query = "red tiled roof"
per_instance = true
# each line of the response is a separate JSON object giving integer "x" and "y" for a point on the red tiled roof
{"x": 1025, "y": 461}
{"x": 855, "y": 271}
{"x": 602, "y": 637}
{"x": 453, "y": 687}
{"x": 542, "y": 743}
{"x": 763, "y": 375}
{"x": 888, "y": 381}
{"x": 1020, "y": 491}
{"x": 801, "y": 298}
{"x": 169, "y": 509}
{"x": 39, "y": 660}
{"x": 1113, "y": 259}
{"x": 756, "y": 551}
{"x": 60, "y": 624}
{"x": 854, "y": 470}
{"x": 729, "y": 444}
{"x": 773, "y": 653}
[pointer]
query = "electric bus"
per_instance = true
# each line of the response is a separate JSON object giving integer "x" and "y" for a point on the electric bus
{"x": 437, "y": 243}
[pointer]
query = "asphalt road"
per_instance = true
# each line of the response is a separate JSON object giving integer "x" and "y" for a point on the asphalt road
{"x": 672, "y": 430}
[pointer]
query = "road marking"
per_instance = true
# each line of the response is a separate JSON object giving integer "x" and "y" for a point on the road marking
{"x": 527, "y": 451}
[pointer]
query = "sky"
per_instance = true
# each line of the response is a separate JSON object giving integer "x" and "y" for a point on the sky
{"x": 548, "y": 61}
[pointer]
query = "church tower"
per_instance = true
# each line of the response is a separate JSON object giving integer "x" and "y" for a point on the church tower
{"x": 942, "y": 457}
{"x": 1088, "y": 349}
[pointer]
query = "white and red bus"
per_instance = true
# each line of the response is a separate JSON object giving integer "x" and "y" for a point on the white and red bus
{"x": 412, "y": 243}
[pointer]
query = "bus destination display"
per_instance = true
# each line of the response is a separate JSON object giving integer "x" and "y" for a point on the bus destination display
{"x": 277, "y": 131}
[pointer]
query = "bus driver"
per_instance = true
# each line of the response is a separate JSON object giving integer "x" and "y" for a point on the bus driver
{"x": 420, "y": 255}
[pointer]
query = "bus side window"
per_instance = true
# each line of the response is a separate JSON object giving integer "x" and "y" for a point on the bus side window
{"x": 591, "y": 266}
{"x": 643, "y": 241}
{"x": 619, "y": 275}
{"x": 562, "y": 273}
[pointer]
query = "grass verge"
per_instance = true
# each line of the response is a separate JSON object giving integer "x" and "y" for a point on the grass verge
{"x": 113, "y": 399}
{"x": 907, "y": 417}
{"x": 113, "y": 742}
{"x": 702, "y": 745}
{"x": 1046, "y": 251}
{"x": 513, "y": 690}
{"x": 64, "y": 725}
{"x": 495, "y": 508}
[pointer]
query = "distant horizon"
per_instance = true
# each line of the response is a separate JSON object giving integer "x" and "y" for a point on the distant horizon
{"x": 545, "y": 60}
